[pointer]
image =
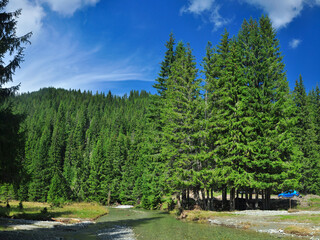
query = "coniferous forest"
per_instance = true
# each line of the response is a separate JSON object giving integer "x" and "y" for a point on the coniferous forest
{"x": 231, "y": 125}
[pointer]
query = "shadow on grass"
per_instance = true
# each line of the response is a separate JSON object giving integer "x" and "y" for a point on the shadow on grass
{"x": 15, "y": 213}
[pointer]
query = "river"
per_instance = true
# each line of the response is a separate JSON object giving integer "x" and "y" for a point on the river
{"x": 132, "y": 224}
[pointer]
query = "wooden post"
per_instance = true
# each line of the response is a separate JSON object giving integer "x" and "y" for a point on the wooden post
{"x": 289, "y": 203}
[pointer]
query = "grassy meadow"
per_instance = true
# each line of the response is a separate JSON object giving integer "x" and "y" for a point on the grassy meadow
{"x": 43, "y": 211}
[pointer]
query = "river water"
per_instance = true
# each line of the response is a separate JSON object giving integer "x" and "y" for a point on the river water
{"x": 132, "y": 224}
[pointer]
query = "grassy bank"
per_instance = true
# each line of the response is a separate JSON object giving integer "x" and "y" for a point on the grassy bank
{"x": 203, "y": 216}
{"x": 43, "y": 211}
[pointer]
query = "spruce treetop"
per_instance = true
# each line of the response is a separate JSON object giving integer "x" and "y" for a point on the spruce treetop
{"x": 10, "y": 45}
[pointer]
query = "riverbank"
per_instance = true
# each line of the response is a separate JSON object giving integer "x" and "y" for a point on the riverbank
{"x": 135, "y": 224}
{"x": 290, "y": 223}
{"x": 68, "y": 213}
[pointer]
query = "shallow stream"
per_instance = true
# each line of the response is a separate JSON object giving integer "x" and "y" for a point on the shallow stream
{"x": 132, "y": 224}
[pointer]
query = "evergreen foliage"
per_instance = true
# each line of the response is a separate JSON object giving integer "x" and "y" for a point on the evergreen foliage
{"x": 81, "y": 143}
{"x": 10, "y": 137}
{"x": 238, "y": 129}
{"x": 306, "y": 138}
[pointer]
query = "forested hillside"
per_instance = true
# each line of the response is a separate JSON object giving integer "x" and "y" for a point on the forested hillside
{"x": 232, "y": 125}
{"x": 81, "y": 146}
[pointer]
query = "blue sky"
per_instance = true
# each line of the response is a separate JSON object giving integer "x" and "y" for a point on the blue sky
{"x": 117, "y": 45}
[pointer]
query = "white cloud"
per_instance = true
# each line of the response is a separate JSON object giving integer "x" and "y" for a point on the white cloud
{"x": 199, "y": 7}
{"x": 281, "y": 12}
{"x": 294, "y": 43}
{"x": 68, "y": 7}
{"x": 31, "y": 16}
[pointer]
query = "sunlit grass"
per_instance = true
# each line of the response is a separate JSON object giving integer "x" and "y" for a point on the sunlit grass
{"x": 300, "y": 231}
{"x": 305, "y": 218}
{"x": 35, "y": 210}
{"x": 203, "y": 216}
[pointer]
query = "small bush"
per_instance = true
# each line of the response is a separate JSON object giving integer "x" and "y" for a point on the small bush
{"x": 44, "y": 211}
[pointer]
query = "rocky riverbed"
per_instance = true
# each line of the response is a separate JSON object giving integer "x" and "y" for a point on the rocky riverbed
{"x": 272, "y": 222}
{"x": 61, "y": 229}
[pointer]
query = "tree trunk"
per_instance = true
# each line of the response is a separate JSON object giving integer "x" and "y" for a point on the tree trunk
{"x": 208, "y": 199}
{"x": 264, "y": 203}
{"x": 268, "y": 199}
{"x": 183, "y": 198}
{"x": 188, "y": 198}
{"x": 196, "y": 196}
{"x": 232, "y": 199}
{"x": 257, "y": 199}
{"x": 211, "y": 202}
{"x": 178, "y": 201}
{"x": 224, "y": 198}
{"x": 109, "y": 197}
{"x": 203, "y": 196}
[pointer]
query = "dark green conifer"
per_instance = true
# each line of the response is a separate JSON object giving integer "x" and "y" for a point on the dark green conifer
{"x": 305, "y": 136}
{"x": 10, "y": 138}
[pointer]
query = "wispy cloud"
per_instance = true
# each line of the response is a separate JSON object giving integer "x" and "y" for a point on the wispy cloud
{"x": 209, "y": 8}
{"x": 60, "y": 60}
{"x": 294, "y": 43}
{"x": 217, "y": 19}
{"x": 70, "y": 65}
{"x": 68, "y": 7}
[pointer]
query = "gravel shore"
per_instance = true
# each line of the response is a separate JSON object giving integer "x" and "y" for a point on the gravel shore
{"x": 264, "y": 221}
{"x": 273, "y": 213}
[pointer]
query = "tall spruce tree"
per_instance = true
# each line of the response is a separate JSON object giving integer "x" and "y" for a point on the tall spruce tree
{"x": 181, "y": 145}
{"x": 269, "y": 107}
{"x": 155, "y": 129}
{"x": 314, "y": 99}
{"x": 9, "y": 123}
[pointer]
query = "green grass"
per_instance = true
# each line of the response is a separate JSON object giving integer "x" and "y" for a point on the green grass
{"x": 203, "y": 216}
{"x": 306, "y": 218}
{"x": 34, "y": 211}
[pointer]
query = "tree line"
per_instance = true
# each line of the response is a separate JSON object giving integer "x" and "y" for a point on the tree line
{"x": 233, "y": 125}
